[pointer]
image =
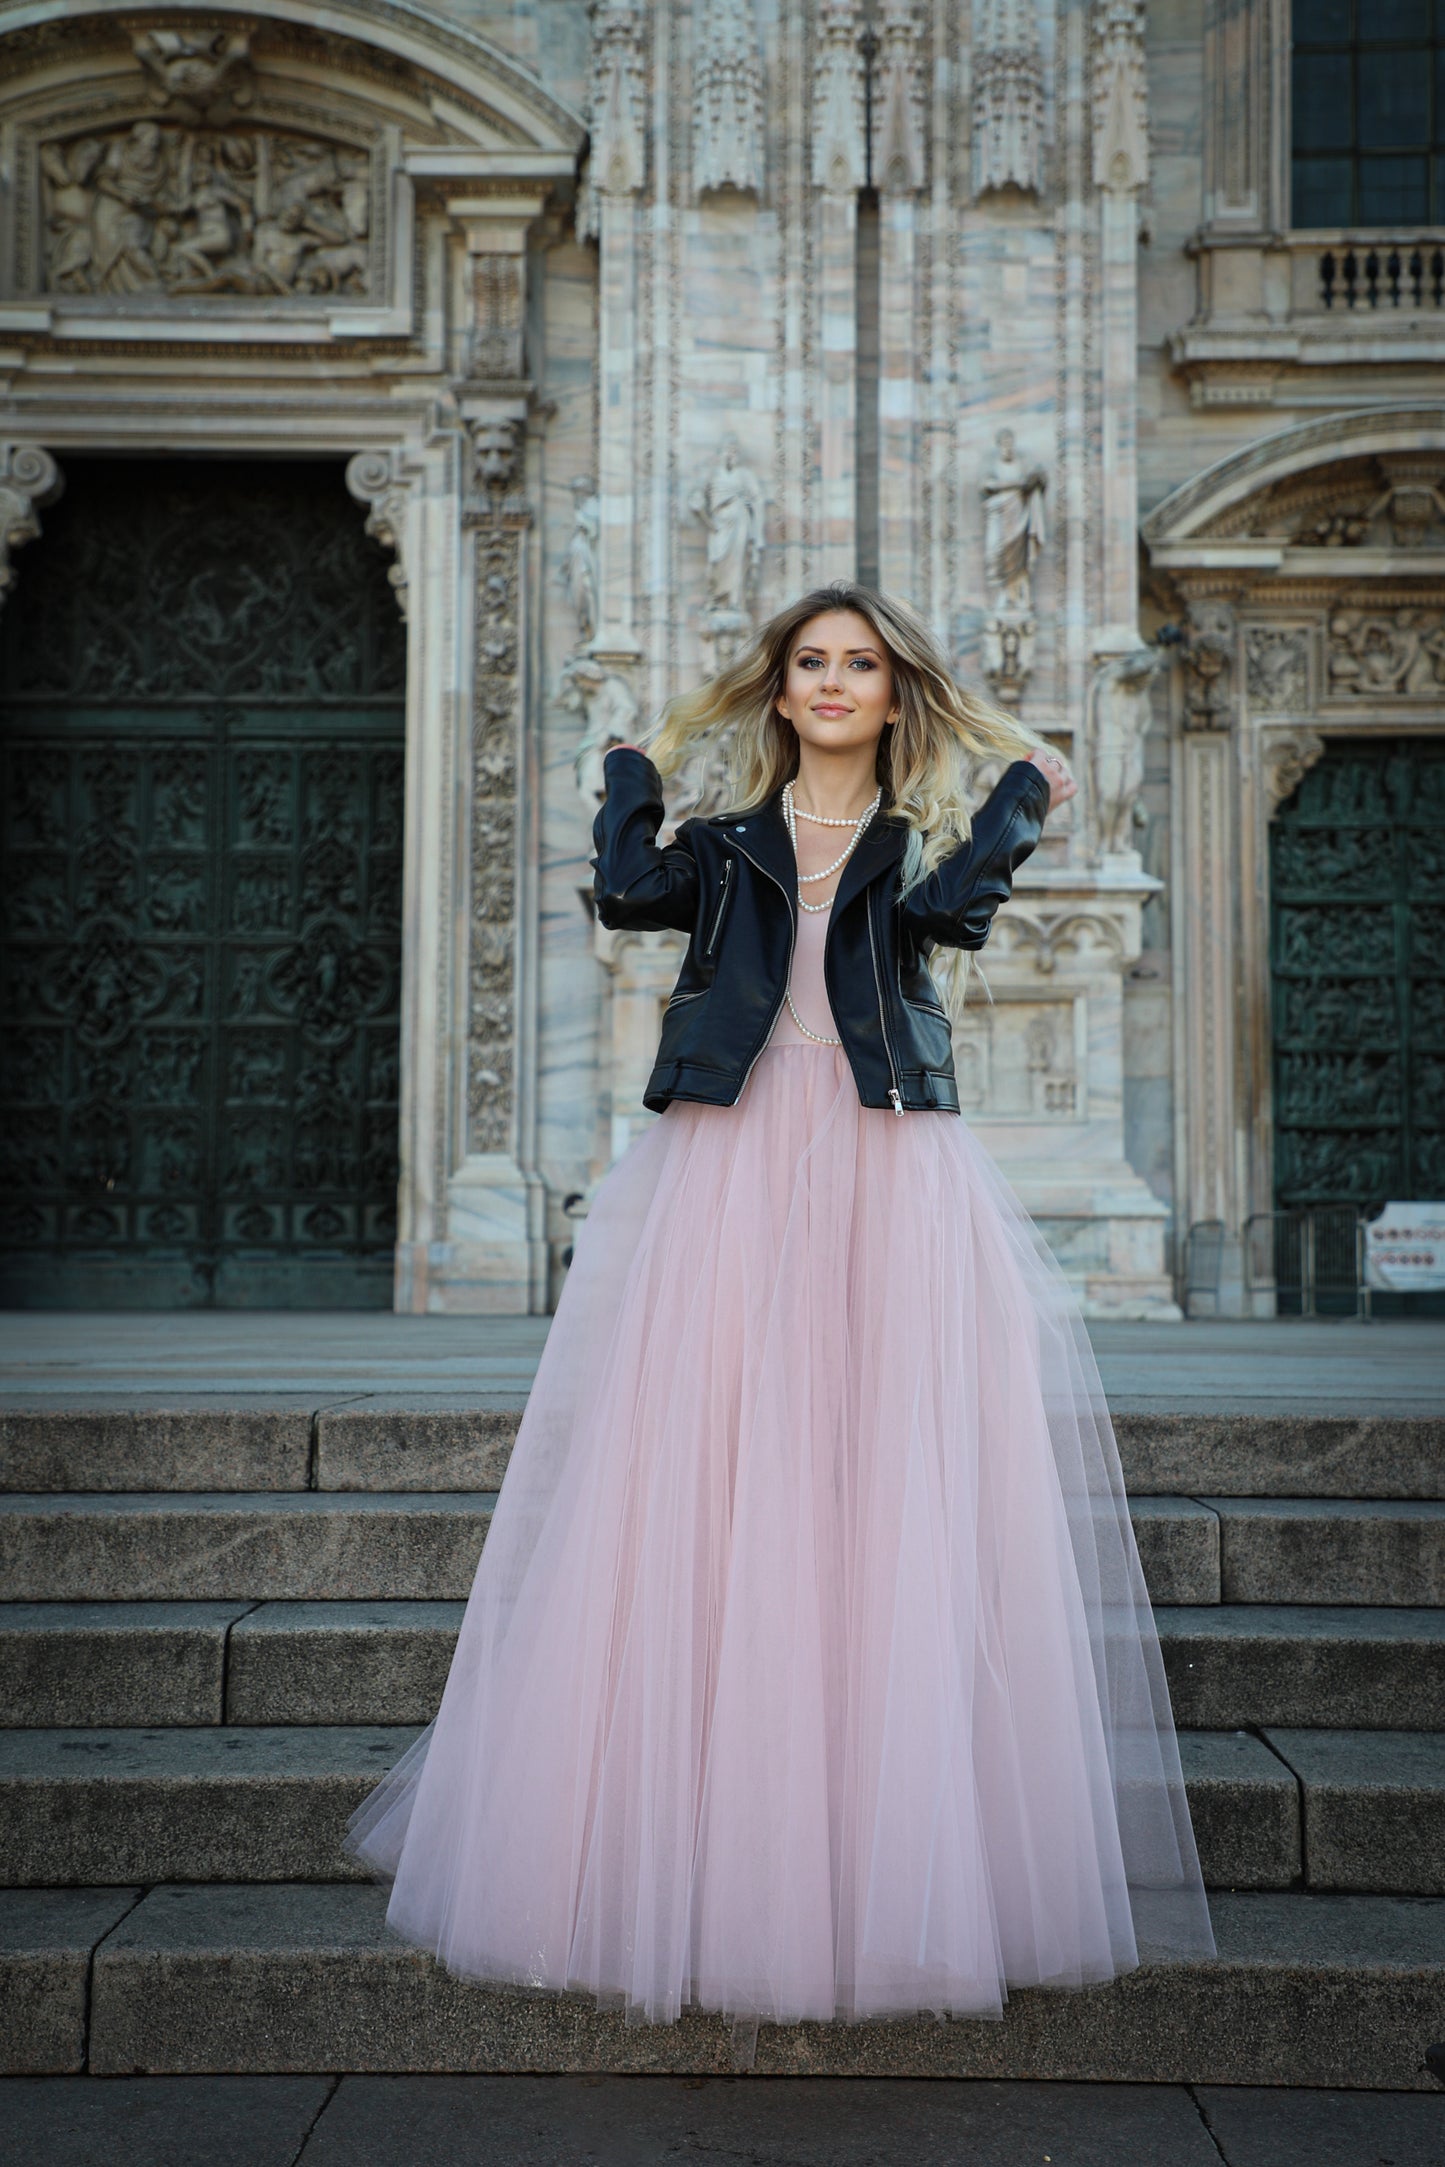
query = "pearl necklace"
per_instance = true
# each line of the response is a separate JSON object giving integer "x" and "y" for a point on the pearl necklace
{"x": 790, "y": 814}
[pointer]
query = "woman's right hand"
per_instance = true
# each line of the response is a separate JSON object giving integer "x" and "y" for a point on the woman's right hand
{"x": 1055, "y": 770}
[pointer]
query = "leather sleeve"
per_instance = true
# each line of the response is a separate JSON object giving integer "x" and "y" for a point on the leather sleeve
{"x": 635, "y": 884}
{"x": 955, "y": 903}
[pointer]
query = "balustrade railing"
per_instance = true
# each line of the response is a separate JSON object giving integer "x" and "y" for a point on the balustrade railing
{"x": 1378, "y": 274}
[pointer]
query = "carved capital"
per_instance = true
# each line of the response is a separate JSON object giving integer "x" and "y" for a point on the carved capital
{"x": 1286, "y": 757}
{"x": 1121, "y": 114}
{"x": 29, "y": 478}
{"x": 381, "y": 480}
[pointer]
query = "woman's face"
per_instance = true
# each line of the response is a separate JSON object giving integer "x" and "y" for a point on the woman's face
{"x": 838, "y": 692}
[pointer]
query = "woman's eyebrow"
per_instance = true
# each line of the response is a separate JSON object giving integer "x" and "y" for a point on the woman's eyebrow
{"x": 809, "y": 649}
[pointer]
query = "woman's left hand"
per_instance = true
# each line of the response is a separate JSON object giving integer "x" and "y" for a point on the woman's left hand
{"x": 1055, "y": 770}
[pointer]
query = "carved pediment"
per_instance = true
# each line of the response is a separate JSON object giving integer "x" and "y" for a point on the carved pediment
{"x": 160, "y": 158}
{"x": 1393, "y": 500}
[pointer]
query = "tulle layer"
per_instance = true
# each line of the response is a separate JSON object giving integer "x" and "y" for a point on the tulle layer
{"x": 808, "y": 1669}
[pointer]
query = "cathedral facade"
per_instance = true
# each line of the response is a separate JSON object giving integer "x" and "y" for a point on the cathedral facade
{"x": 399, "y": 403}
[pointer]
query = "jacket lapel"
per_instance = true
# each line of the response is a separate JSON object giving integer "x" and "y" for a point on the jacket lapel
{"x": 879, "y": 847}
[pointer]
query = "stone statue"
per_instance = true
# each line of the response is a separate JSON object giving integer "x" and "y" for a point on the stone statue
{"x": 1120, "y": 714}
{"x": 588, "y": 688}
{"x": 730, "y": 505}
{"x": 578, "y": 572}
{"x": 1013, "y": 494}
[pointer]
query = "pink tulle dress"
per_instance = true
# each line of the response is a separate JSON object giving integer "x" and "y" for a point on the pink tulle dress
{"x": 808, "y": 1669}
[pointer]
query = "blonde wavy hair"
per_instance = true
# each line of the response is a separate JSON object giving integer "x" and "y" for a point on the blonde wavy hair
{"x": 927, "y": 759}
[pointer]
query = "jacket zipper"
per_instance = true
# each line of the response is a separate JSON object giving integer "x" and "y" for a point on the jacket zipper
{"x": 727, "y": 874}
{"x": 895, "y": 1095}
{"x": 792, "y": 943}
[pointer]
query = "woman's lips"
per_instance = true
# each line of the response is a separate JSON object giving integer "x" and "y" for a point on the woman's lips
{"x": 832, "y": 710}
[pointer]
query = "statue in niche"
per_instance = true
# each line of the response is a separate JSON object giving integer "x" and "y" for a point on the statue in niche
{"x": 578, "y": 572}
{"x": 1013, "y": 494}
{"x": 730, "y": 505}
{"x": 1120, "y": 711}
{"x": 604, "y": 700}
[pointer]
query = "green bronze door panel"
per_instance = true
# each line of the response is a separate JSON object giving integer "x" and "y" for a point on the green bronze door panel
{"x": 1357, "y": 873}
{"x": 200, "y": 874}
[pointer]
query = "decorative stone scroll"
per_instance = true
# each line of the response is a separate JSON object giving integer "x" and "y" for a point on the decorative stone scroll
{"x": 165, "y": 208}
{"x": 1286, "y": 757}
{"x": 727, "y": 99}
{"x": 29, "y": 478}
{"x": 1008, "y": 99}
{"x": 378, "y": 479}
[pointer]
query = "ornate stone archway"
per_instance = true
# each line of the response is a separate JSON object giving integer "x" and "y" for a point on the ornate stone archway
{"x": 1310, "y": 574}
{"x": 305, "y": 228}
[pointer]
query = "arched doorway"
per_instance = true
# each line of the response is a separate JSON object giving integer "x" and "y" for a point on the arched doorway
{"x": 201, "y": 723}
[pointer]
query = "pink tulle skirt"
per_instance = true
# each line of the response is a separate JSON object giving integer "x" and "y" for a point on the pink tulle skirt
{"x": 808, "y": 1669}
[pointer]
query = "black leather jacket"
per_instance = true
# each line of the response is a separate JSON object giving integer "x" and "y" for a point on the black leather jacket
{"x": 730, "y": 882}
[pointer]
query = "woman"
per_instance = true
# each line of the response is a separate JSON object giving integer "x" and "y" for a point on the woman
{"x": 808, "y": 1670}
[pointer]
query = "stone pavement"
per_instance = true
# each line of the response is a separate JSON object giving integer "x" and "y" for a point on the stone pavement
{"x": 1394, "y": 1366}
{"x": 522, "y": 2121}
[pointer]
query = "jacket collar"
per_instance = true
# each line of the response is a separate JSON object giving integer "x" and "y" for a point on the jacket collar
{"x": 761, "y": 833}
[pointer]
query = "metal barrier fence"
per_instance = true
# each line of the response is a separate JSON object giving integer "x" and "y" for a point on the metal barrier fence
{"x": 1307, "y": 1258}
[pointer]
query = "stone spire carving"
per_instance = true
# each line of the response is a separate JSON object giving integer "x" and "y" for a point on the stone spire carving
{"x": 1008, "y": 99}
{"x": 899, "y": 161}
{"x": 29, "y": 477}
{"x": 617, "y": 164}
{"x": 840, "y": 124}
{"x": 727, "y": 99}
{"x": 1121, "y": 112}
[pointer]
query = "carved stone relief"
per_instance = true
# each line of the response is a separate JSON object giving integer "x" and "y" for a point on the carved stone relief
{"x": 1121, "y": 117}
{"x": 1392, "y": 500}
{"x": 727, "y": 99}
{"x": 1208, "y": 653}
{"x": 165, "y": 208}
{"x": 496, "y": 698}
{"x": 1014, "y": 534}
{"x": 1020, "y": 1061}
{"x": 498, "y": 314}
{"x": 197, "y": 74}
{"x": 900, "y": 165}
{"x": 1008, "y": 99}
{"x": 1393, "y": 654}
{"x": 29, "y": 478}
{"x": 1276, "y": 667}
{"x": 1121, "y": 709}
{"x": 839, "y": 132}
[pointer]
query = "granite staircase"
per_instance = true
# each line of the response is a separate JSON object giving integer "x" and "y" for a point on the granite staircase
{"x": 221, "y": 1625}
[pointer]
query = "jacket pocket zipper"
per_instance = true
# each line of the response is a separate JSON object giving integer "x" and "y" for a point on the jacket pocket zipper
{"x": 727, "y": 875}
{"x": 895, "y": 1096}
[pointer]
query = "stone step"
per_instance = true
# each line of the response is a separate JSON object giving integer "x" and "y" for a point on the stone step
{"x": 1342, "y": 1810}
{"x": 1339, "y": 1991}
{"x": 1251, "y": 1664}
{"x": 1230, "y": 1665}
{"x": 390, "y": 1443}
{"x": 383, "y": 1546}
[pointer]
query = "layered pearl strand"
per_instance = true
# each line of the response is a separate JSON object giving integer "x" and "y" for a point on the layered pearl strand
{"x": 792, "y": 814}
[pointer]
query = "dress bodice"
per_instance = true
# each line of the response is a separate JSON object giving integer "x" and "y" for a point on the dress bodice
{"x": 810, "y": 995}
